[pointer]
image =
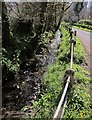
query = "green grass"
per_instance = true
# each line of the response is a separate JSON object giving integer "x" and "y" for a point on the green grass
{"x": 79, "y": 97}
{"x": 85, "y": 29}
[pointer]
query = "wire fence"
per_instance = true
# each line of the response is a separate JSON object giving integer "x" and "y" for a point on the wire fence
{"x": 64, "y": 98}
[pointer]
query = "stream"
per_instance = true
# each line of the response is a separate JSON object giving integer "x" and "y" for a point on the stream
{"x": 27, "y": 87}
{"x": 53, "y": 47}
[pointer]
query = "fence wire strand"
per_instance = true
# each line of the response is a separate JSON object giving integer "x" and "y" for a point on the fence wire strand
{"x": 64, "y": 95}
{"x": 62, "y": 98}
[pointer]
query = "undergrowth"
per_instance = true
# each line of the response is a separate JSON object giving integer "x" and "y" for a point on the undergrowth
{"x": 78, "y": 105}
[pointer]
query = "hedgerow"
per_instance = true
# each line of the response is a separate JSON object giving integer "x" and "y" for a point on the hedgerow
{"x": 84, "y": 25}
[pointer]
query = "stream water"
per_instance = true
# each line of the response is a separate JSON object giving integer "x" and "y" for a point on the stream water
{"x": 27, "y": 87}
{"x": 53, "y": 47}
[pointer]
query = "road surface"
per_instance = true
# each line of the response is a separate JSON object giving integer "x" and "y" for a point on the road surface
{"x": 86, "y": 39}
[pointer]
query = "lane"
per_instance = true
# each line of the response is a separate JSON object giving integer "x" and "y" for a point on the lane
{"x": 86, "y": 39}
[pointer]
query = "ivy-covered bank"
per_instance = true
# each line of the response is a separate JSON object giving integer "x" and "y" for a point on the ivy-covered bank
{"x": 79, "y": 97}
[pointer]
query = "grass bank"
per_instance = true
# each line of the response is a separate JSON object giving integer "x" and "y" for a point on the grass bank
{"x": 79, "y": 97}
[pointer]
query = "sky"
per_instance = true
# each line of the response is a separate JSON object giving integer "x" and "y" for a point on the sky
{"x": 88, "y": 2}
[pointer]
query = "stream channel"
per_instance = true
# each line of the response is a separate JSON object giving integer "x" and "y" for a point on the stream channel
{"x": 27, "y": 87}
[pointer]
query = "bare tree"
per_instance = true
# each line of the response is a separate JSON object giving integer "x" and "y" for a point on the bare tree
{"x": 77, "y": 8}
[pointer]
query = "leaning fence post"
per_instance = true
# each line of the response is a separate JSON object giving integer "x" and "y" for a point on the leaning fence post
{"x": 75, "y": 33}
{"x": 72, "y": 39}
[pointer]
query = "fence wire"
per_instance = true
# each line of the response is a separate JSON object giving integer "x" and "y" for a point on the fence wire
{"x": 64, "y": 97}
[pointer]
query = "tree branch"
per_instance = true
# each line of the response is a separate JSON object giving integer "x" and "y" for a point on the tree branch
{"x": 12, "y": 9}
{"x": 17, "y": 7}
{"x": 68, "y": 7}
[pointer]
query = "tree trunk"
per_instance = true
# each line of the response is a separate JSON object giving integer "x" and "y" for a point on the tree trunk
{"x": 78, "y": 17}
{"x": 55, "y": 17}
{"x": 41, "y": 27}
{"x": 42, "y": 17}
{"x": 57, "y": 27}
{"x": 5, "y": 27}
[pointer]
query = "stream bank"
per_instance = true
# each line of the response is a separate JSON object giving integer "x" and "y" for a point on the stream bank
{"x": 28, "y": 85}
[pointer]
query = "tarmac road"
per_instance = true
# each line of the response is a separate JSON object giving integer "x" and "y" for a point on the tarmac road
{"x": 86, "y": 39}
